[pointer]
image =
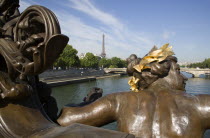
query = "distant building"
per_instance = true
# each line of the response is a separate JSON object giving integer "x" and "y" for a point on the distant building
{"x": 103, "y": 53}
{"x": 82, "y": 55}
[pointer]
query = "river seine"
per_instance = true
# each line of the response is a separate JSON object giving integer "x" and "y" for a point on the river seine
{"x": 75, "y": 93}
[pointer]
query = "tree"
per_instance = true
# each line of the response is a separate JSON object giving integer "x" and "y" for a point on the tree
{"x": 89, "y": 61}
{"x": 124, "y": 63}
{"x": 68, "y": 58}
{"x": 105, "y": 63}
{"x": 60, "y": 63}
{"x": 204, "y": 64}
{"x": 117, "y": 63}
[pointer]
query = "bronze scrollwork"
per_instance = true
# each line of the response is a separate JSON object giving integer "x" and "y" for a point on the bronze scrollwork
{"x": 29, "y": 44}
{"x": 25, "y": 43}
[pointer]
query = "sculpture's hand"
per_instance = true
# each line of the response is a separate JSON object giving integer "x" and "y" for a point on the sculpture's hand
{"x": 18, "y": 91}
{"x": 11, "y": 90}
{"x": 94, "y": 94}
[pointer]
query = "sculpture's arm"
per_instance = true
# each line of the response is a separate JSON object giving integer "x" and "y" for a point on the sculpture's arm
{"x": 98, "y": 113}
{"x": 203, "y": 108}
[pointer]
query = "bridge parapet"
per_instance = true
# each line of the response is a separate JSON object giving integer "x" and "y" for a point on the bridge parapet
{"x": 113, "y": 70}
{"x": 196, "y": 72}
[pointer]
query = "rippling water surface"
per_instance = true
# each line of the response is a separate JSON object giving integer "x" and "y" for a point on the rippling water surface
{"x": 75, "y": 93}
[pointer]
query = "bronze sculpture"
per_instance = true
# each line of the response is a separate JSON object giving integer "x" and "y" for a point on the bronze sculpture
{"x": 29, "y": 44}
{"x": 92, "y": 96}
{"x": 158, "y": 107}
{"x": 25, "y": 40}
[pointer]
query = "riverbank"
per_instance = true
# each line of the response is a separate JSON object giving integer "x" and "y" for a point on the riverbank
{"x": 70, "y": 73}
{"x": 55, "y": 82}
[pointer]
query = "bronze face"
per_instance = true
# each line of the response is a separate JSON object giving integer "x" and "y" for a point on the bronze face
{"x": 175, "y": 79}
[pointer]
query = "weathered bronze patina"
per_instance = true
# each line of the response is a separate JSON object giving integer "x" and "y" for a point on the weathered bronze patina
{"x": 24, "y": 46}
{"x": 29, "y": 44}
{"x": 160, "y": 108}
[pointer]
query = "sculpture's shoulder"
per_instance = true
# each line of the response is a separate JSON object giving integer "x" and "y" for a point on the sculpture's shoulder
{"x": 130, "y": 95}
{"x": 178, "y": 101}
{"x": 171, "y": 98}
{"x": 184, "y": 97}
{"x": 131, "y": 100}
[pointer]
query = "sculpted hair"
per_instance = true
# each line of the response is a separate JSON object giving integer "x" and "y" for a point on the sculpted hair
{"x": 148, "y": 76}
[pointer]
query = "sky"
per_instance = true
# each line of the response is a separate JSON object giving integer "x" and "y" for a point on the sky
{"x": 134, "y": 26}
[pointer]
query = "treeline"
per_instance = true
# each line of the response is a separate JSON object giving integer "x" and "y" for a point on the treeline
{"x": 69, "y": 59}
{"x": 204, "y": 64}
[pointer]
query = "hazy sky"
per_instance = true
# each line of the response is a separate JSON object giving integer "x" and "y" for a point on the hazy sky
{"x": 134, "y": 26}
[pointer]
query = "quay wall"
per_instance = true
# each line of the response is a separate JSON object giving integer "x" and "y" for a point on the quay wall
{"x": 56, "y": 74}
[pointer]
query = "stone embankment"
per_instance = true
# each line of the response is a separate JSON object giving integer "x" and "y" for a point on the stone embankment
{"x": 57, "y": 74}
{"x": 56, "y": 78}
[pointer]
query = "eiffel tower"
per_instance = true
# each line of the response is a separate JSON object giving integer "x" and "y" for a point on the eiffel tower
{"x": 103, "y": 54}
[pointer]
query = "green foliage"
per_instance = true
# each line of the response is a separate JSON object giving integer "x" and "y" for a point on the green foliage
{"x": 182, "y": 66}
{"x": 204, "y": 64}
{"x": 68, "y": 58}
{"x": 117, "y": 63}
{"x": 112, "y": 66}
{"x": 89, "y": 61}
{"x": 124, "y": 63}
{"x": 105, "y": 63}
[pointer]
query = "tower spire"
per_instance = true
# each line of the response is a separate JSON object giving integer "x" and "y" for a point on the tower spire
{"x": 103, "y": 53}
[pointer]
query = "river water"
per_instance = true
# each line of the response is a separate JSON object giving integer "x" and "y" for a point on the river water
{"x": 75, "y": 93}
